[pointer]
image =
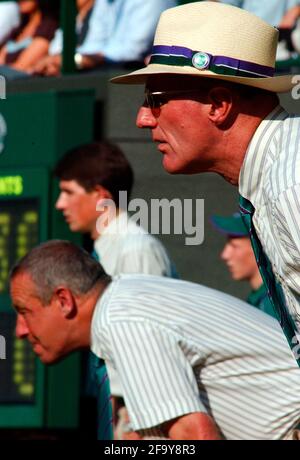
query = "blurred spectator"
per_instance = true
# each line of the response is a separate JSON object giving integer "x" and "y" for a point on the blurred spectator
{"x": 119, "y": 32}
{"x": 9, "y": 19}
{"x": 85, "y": 9}
{"x": 279, "y": 13}
{"x": 240, "y": 260}
{"x": 30, "y": 41}
{"x": 51, "y": 64}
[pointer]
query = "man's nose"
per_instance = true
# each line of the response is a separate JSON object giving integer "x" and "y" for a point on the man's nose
{"x": 60, "y": 202}
{"x": 145, "y": 118}
{"x": 225, "y": 254}
{"x": 22, "y": 330}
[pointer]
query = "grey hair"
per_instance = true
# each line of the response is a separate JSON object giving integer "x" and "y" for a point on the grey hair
{"x": 60, "y": 263}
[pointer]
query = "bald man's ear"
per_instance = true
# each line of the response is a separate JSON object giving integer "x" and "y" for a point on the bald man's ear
{"x": 65, "y": 301}
{"x": 220, "y": 100}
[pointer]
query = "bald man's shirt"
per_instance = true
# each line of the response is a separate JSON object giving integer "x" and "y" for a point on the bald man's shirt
{"x": 179, "y": 348}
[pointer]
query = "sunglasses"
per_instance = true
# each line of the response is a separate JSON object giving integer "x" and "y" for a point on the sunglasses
{"x": 154, "y": 100}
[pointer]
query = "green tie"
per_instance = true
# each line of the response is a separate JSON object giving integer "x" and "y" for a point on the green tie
{"x": 104, "y": 406}
{"x": 100, "y": 381}
{"x": 274, "y": 289}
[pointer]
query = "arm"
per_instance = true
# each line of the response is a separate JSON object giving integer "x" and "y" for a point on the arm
{"x": 2, "y": 55}
{"x": 39, "y": 47}
{"x": 195, "y": 426}
{"x": 29, "y": 57}
{"x": 290, "y": 17}
{"x": 49, "y": 66}
{"x": 157, "y": 379}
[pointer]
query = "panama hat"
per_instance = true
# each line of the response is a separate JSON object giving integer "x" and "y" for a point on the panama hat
{"x": 214, "y": 40}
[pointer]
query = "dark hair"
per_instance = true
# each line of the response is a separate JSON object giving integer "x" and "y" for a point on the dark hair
{"x": 99, "y": 163}
{"x": 56, "y": 263}
{"x": 50, "y": 8}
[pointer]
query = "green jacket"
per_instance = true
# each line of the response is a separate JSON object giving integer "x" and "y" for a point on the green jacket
{"x": 259, "y": 299}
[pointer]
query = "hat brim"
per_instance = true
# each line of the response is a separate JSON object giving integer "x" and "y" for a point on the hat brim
{"x": 232, "y": 227}
{"x": 279, "y": 84}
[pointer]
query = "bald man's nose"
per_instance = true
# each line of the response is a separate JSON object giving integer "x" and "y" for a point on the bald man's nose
{"x": 22, "y": 330}
{"x": 145, "y": 118}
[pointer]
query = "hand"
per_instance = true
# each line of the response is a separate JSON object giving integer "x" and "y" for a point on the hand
{"x": 89, "y": 61}
{"x": 49, "y": 66}
{"x": 289, "y": 19}
{"x": 54, "y": 66}
{"x": 131, "y": 436}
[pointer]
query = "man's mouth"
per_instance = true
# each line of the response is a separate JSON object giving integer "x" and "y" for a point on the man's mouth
{"x": 161, "y": 146}
{"x": 36, "y": 348}
{"x": 157, "y": 140}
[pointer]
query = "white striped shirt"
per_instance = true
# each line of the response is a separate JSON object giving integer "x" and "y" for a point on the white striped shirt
{"x": 180, "y": 347}
{"x": 270, "y": 180}
{"x": 125, "y": 247}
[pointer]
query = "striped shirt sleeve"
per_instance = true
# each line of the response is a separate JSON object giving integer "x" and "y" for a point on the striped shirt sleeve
{"x": 159, "y": 388}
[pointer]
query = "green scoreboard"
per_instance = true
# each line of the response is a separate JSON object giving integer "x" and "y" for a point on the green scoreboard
{"x": 36, "y": 130}
{"x": 24, "y": 198}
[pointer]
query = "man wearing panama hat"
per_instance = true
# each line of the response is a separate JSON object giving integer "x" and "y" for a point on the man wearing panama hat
{"x": 211, "y": 105}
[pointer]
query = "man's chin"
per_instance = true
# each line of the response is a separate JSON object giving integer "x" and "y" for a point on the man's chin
{"x": 237, "y": 277}
{"x": 170, "y": 167}
{"x": 48, "y": 359}
{"x": 74, "y": 227}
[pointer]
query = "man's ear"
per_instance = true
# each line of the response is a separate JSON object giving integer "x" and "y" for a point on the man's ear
{"x": 102, "y": 193}
{"x": 221, "y": 104}
{"x": 66, "y": 302}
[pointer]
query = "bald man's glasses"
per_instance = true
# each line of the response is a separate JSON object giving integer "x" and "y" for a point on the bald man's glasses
{"x": 155, "y": 99}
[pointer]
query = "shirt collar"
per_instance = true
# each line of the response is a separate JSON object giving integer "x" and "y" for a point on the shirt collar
{"x": 252, "y": 168}
{"x": 116, "y": 227}
{"x": 257, "y": 295}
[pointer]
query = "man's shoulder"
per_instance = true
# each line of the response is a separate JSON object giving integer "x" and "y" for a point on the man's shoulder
{"x": 138, "y": 236}
{"x": 284, "y": 153}
{"x": 295, "y": 117}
